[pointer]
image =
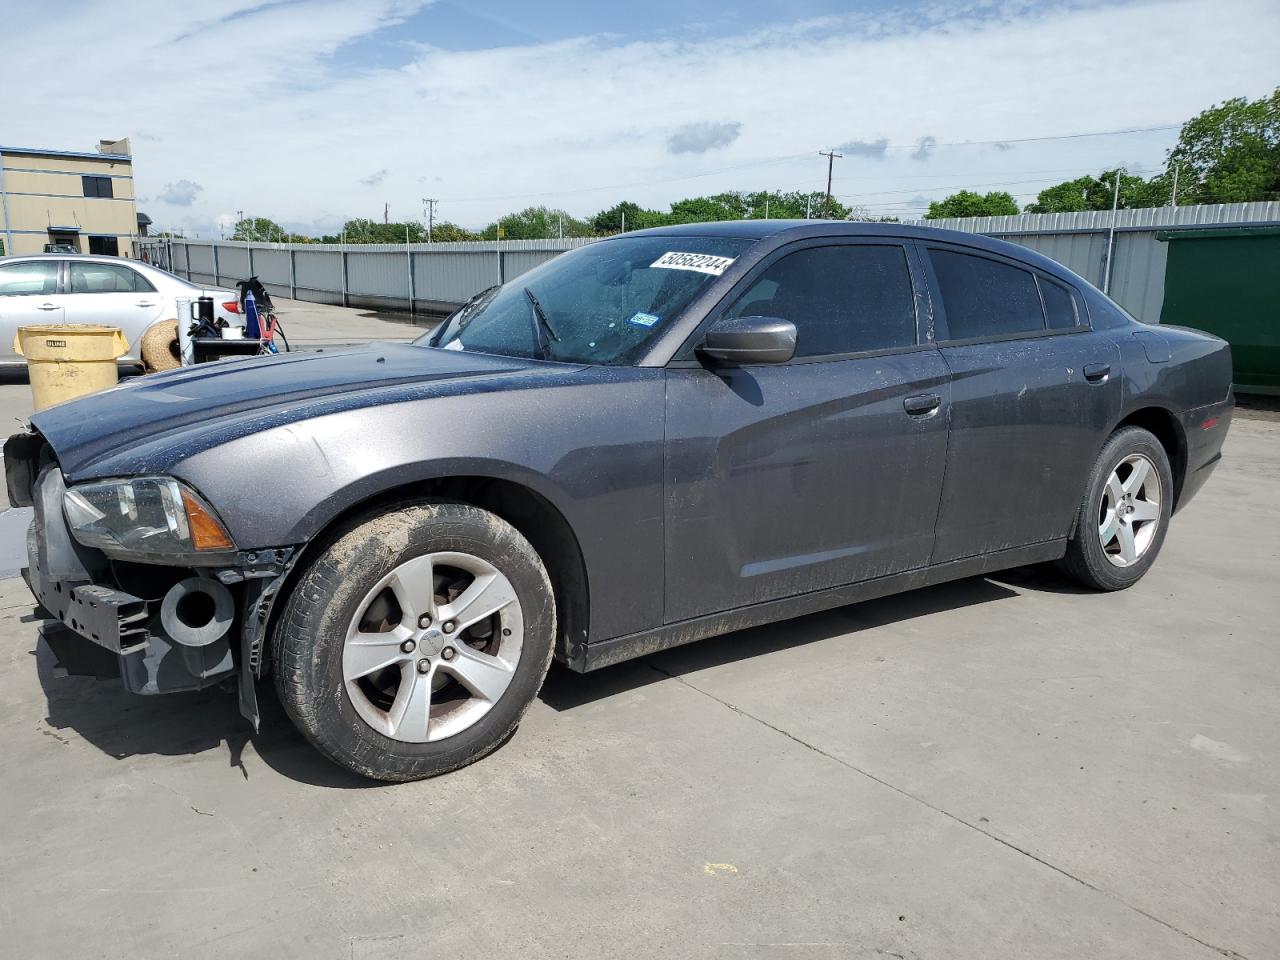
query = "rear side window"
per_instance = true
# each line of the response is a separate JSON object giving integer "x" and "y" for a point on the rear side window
{"x": 842, "y": 299}
{"x": 1059, "y": 305}
{"x": 106, "y": 278}
{"x": 26, "y": 279}
{"x": 986, "y": 298}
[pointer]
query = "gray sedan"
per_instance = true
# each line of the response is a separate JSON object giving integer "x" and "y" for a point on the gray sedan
{"x": 651, "y": 439}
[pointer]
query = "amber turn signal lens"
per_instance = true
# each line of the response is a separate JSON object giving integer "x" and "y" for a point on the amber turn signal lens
{"x": 206, "y": 531}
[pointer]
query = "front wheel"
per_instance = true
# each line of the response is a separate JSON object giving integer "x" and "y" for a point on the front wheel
{"x": 1124, "y": 514}
{"x": 416, "y": 641}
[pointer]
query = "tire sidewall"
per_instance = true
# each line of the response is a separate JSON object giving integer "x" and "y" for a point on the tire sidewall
{"x": 1123, "y": 444}
{"x": 347, "y": 571}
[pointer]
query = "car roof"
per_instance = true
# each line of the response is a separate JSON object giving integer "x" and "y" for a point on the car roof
{"x": 787, "y": 230}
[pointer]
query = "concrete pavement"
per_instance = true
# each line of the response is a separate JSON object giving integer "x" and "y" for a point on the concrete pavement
{"x": 1000, "y": 767}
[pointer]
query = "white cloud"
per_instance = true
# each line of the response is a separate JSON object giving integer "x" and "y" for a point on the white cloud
{"x": 180, "y": 193}
{"x": 701, "y": 137}
{"x": 262, "y": 118}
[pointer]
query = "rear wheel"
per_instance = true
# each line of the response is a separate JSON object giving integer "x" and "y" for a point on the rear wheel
{"x": 1124, "y": 514}
{"x": 414, "y": 644}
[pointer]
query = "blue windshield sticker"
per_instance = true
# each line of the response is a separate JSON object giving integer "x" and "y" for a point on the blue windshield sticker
{"x": 644, "y": 319}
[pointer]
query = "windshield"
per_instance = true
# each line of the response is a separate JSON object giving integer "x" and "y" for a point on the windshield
{"x": 602, "y": 303}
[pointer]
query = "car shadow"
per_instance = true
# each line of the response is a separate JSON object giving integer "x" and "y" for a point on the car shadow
{"x": 565, "y": 690}
{"x": 123, "y": 725}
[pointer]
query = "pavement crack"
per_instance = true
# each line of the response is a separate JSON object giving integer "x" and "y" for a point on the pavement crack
{"x": 1222, "y": 951}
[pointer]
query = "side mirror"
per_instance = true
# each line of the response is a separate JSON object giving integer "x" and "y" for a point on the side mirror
{"x": 738, "y": 340}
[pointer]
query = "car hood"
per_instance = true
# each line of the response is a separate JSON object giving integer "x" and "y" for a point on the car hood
{"x": 155, "y": 420}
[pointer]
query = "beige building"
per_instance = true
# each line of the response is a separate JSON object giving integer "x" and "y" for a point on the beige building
{"x": 80, "y": 200}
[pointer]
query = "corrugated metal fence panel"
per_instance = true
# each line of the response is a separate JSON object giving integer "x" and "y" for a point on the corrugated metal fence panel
{"x": 233, "y": 264}
{"x": 454, "y": 277}
{"x": 1147, "y": 218}
{"x": 378, "y": 274}
{"x": 1137, "y": 281}
{"x": 272, "y": 267}
{"x": 319, "y": 272}
{"x": 199, "y": 259}
{"x": 517, "y": 262}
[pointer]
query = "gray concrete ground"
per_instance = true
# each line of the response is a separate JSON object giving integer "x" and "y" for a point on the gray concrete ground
{"x": 1001, "y": 767}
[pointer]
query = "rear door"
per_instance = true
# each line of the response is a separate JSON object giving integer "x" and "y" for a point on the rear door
{"x": 783, "y": 479}
{"x": 1034, "y": 391}
{"x": 28, "y": 295}
{"x": 112, "y": 294}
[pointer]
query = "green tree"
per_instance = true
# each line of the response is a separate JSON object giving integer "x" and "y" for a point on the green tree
{"x": 1097, "y": 193}
{"x": 1230, "y": 153}
{"x": 447, "y": 232}
{"x": 258, "y": 230}
{"x": 374, "y": 231}
{"x": 966, "y": 203}
{"x": 537, "y": 223}
{"x": 625, "y": 214}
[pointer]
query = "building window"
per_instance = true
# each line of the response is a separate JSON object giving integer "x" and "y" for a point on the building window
{"x": 108, "y": 246}
{"x": 97, "y": 187}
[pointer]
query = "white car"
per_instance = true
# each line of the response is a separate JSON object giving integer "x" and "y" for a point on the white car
{"x": 75, "y": 288}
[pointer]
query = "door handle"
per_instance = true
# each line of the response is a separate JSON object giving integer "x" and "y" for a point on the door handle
{"x": 922, "y": 405}
{"x": 48, "y": 306}
{"x": 146, "y": 303}
{"x": 1097, "y": 372}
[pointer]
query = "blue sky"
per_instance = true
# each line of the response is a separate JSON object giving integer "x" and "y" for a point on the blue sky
{"x": 314, "y": 111}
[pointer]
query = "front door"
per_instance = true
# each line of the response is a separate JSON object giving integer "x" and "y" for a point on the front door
{"x": 112, "y": 294}
{"x": 28, "y": 295}
{"x": 1033, "y": 392}
{"x": 783, "y": 479}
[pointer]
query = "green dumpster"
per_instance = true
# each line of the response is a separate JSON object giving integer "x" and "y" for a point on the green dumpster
{"x": 1226, "y": 281}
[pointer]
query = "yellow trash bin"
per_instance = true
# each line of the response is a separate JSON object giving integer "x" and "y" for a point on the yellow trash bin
{"x": 67, "y": 360}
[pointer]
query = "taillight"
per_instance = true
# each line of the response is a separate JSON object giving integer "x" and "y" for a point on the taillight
{"x": 231, "y": 306}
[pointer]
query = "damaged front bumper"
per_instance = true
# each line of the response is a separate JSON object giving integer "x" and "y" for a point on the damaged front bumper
{"x": 168, "y": 628}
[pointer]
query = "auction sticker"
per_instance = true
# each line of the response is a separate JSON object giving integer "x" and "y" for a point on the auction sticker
{"x": 697, "y": 262}
{"x": 645, "y": 319}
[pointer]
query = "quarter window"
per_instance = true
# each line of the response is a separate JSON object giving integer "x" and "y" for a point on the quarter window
{"x": 986, "y": 298}
{"x": 1059, "y": 307}
{"x": 25, "y": 279}
{"x": 842, "y": 299}
{"x": 106, "y": 278}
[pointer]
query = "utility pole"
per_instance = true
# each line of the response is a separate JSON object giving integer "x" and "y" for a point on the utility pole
{"x": 429, "y": 211}
{"x": 1173, "y": 197}
{"x": 831, "y": 156}
{"x": 1111, "y": 234}
{"x": 624, "y": 222}
{"x": 386, "y": 213}
{"x": 239, "y": 220}
{"x": 766, "y": 208}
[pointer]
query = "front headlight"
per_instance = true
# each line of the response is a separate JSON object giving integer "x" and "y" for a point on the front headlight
{"x": 156, "y": 517}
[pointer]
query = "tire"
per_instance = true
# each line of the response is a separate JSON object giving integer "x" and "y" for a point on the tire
{"x": 1100, "y": 554}
{"x": 159, "y": 350}
{"x": 345, "y": 614}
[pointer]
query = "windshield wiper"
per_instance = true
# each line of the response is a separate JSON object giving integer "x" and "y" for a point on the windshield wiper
{"x": 542, "y": 328}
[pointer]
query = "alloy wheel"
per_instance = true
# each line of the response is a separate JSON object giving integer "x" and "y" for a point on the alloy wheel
{"x": 432, "y": 647}
{"x": 1129, "y": 514}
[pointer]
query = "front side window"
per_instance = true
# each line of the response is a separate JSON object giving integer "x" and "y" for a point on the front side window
{"x": 602, "y": 303}
{"x": 841, "y": 299}
{"x": 87, "y": 277}
{"x": 28, "y": 279}
{"x": 986, "y": 298}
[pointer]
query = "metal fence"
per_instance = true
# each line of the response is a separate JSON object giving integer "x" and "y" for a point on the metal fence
{"x": 430, "y": 279}
{"x": 420, "y": 278}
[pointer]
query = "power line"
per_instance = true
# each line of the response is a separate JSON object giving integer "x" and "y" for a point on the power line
{"x": 766, "y": 161}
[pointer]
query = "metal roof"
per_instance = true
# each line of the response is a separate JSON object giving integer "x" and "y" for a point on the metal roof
{"x": 77, "y": 154}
